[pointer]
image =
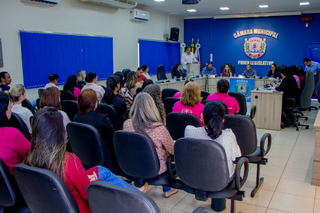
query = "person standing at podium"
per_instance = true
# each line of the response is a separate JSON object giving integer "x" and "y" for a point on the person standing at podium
{"x": 187, "y": 58}
{"x": 209, "y": 69}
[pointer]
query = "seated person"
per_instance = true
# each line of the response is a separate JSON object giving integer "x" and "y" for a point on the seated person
{"x": 190, "y": 101}
{"x": 53, "y": 78}
{"x": 146, "y": 119}
{"x": 141, "y": 78}
{"x": 178, "y": 72}
{"x": 155, "y": 92}
{"x": 17, "y": 95}
{"x": 81, "y": 77}
{"x": 48, "y": 151}
{"x": 145, "y": 70}
{"x": 72, "y": 86}
{"x": 274, "y": 71}
{"x": 132, "y": 83}
{"x": 290, "y": 89}
{"x": 209, "y": 69}
{"x": 178, "y": 94}
{"x": 294, "y": 71}
{"x": 249, "y": 72}
{"x": 223, "y": 96}
{"x": 13, "y": 145}
{"x": 213, "y": 117}
{"x": 146, "y": 83}
{"x": 5, "y": 81}
{"x": 91, "y": 83}
{"x": 226, "y": 72}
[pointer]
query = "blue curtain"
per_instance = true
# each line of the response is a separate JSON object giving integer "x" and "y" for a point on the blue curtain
{"x": 44, "y": 53}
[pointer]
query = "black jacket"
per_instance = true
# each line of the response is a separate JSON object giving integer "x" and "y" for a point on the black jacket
{"x": 290, "y": 89}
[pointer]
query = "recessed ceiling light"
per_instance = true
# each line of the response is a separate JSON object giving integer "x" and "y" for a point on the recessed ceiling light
{"x": 224, "y": 8}
{"x": 304, "y": 3}
{"x": 263, "y": 6}
{"x": 159, "y": 0}
{"x": 192, "y": 10}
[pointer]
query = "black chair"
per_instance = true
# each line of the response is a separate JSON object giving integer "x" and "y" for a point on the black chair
{"x": 168, "y": 92}
{"x": 241, "y": 101}
{"x": 112, "y": 114}
{"x": 43, "y": 190}
{"x": 139, "y": 90}
{"x": 232, "y": 68}
{"x": 26, "y": 103}
{"x": 245, "y": 131}
{"x": 66, "y": 95}
{"x": 202, "y": 167}
{"x": 126, "y": 115}
{"x": 316, "y": 83}
{"x": 40, "y": 91}
{"x": 17, "y": 122}
{"x": 161, "y": 74}
{"x": 177, "y": 123}
{"x": 125, "y": 73}
{"x": 172, "y": 71}
{"x": 226, "y": 110}
{"x": 11, "y": 199}
{"x": 38, "y": 103}
{"x": 70, "y": 107}
{"x": 138, "y": 159}
{"x": 204, "y": 95}
{"x": 81, "y": 85}
{"x": 169, "y": 103}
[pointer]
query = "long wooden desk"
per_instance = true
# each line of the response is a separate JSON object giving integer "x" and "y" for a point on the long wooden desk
{"x": 316, "y": 157}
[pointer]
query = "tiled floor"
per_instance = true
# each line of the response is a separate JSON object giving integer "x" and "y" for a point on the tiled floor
{"x": 287, "y": 178}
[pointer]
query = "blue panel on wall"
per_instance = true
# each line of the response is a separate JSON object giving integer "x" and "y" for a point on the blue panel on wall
{"x": 154, "y": 53}
{"x": 43, "y": 54}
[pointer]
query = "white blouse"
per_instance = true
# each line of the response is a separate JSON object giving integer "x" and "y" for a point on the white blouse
{"x": 24, "y": 113}
{"x": 227, "y": 140}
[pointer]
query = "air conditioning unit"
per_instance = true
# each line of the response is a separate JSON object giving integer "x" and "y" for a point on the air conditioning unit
{"x": 46, "y": 2}
{"x": 124, "y": 4}
{"x": 139, "y": 15}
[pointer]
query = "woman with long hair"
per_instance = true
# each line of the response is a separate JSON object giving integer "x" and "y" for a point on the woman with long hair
{"x": 124, "y": 91}
{"x": 226, "y": 72}
{"x": 146, "y": 120}
{"x": 72, "y": 86}
{"x": 145, "y": 70}
{"x": 132, "y": 82}
{"x": 17, "y": 95}
{"x": 13, "y": 145}
{"x": 190, "y": 101}
{"x": 155, "y": 92}
{"x": 48, "y": 151}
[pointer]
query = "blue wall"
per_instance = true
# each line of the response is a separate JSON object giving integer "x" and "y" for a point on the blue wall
{"x": 216, "y": 37}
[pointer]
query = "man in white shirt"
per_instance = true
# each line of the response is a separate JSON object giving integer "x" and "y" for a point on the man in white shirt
{"x": 187, "y": 58}
{"x": 53, "y": 78}
{"x": 92, "y": 80}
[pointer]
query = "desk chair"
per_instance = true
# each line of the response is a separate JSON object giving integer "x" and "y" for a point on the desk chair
{"x": 26, "y": 103}
{"x": 161, "y": 74}
{"x": 169, "y": 103}
{"x": 70, "y": 107}
{"x": 168, "y": 92}
{"x": 241, "y": 101}
{"x": 17, "y": 122}
{"x": 112, "y": 114}
{"x": 204, "y": 95}
{"x": 66, "y": 95}
{"x": 40, "y": 91}
{"x": 172, "y": 71}
{"x": 226, "y": 110}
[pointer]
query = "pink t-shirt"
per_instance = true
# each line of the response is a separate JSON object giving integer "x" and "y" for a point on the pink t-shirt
{"x": 177, "y": 95}
{"x": 196, "y": 110}
{"x": 76, "y": 92}
{"x": 297, "y": 80}
{"x": 231, "y": 102}
{"x": 225, "y": 75}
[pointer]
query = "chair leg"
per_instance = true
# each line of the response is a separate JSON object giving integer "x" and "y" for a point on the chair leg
{"x": 1, "y": 209}
{"x": 259, "y": 182}
{"x": 233, "y": 206}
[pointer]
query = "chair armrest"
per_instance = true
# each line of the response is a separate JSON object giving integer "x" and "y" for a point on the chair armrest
{"x": 293, "y": 103}
{"x": 238, "y": 180}
{"x": 171, "y": 168}
{"x": 262, "y": 144}
{"x": 201, "y": 210}
{"x": 253, "y": 112}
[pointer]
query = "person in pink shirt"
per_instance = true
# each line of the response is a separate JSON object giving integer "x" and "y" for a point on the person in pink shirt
{"x": 178, "y": 94}
{"x": 72, "y": 86}
{"x": 13, "y": 145}
{"x": 226, "y": 72}
{"x": 223, "y": 96}
{"x": 190, "y": 101}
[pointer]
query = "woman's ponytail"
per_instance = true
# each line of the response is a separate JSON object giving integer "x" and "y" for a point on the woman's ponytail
{"x": 214, "y": 126}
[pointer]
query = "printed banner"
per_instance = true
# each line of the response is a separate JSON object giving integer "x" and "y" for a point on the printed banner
{"x": 243, "y": 86}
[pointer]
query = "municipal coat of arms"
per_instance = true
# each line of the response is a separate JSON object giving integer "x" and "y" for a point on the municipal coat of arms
{"x": 255, "y": 47}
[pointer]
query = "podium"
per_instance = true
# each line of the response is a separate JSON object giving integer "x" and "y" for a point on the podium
{"x": 193, "y": 69}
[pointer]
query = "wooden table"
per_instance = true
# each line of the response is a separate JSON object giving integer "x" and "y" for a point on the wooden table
{"x": 316, "y": 157}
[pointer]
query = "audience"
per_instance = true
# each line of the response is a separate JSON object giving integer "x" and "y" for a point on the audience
{"x": 226, "y": 72}
{"x": 53, "y": 78}
{"x": 13, "y": 145}
{"x": 155, "y": 92}
{"x": 223, "y": 96}
{"x": 178, "y": 94}
{"x": 132, "y": 83}
{"x": 91, "y": 83}
{"x": 144, "y": 119}
{"x": 17, "y": 95}
{"x": 145, "y": 70}
{"x": 190, "y": 101}
{"x": 140, "y": 75}
{"x": 81, "y": 77}
{"x": 5, "y": 81}
{"x": 72, "y": 86}
{"x": 48, "y": 151}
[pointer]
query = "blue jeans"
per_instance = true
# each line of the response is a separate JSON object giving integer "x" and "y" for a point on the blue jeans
{"x": 105, "y": 175}
{"x": 166, "y": 189}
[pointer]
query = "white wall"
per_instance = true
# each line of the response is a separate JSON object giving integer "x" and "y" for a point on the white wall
{"x": 73, "y": 16}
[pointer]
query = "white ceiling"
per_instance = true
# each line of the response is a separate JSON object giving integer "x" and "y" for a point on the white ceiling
{"x": 212, "y": 7}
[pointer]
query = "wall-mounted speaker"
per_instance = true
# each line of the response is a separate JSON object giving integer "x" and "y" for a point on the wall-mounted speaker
{"x": 174, "y": 35}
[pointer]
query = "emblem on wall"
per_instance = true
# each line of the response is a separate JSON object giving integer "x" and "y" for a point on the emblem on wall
{"x": 255, "y": 47}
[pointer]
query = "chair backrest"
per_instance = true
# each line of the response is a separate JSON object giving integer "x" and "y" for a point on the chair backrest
{"x": 241, "y": 101}
{"x": 168, "y": 104}
{"x": 307, "y": 91}
{"x": 161, "y": 74}
{"x": 40, "y": 91}
{"x": 43, "y": 190}
{"x": 201, "y": 164}
{"x": 204, "y": 95}
{"x": 86, "y": 143}
{"x": 105, "y": 197}
{"x": 38, "y": 103}
{"x": 7, "y": 194}
{"x": 177, "y": 123}
{"x": 226, "y": 110}
{"x": 245, "y": 131}
{"x": 172, "y": 71}
{"x": 317, "y": 82}
{"x": 126, "y": 115}
{"x": 70, "y": 107}
{"x": 66, "y": 95}
{"x": 17, "y": 122}
{"x": 81, "y": 85}
{"x": 112, "y": 114}
{"x": 168, "y": 92}
{"x": 26, "y": 103}
{"x": 136, "y": 154}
